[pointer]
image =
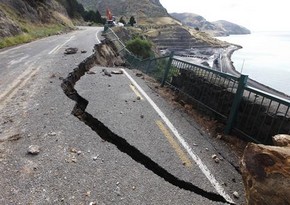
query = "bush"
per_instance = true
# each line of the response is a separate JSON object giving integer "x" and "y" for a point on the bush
{"x": 140, "y": 47}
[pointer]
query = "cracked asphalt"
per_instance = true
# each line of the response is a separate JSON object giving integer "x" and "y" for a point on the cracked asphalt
{"x": 75, "y": 165}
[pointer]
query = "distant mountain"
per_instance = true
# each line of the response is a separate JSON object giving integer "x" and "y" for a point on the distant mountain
{"x": 149, "y": 8}
{"x": 231, "y": 28}
{"x": 217, "y": 28}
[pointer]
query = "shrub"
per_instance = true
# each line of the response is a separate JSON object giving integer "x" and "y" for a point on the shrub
{"x": 140, "y": 47}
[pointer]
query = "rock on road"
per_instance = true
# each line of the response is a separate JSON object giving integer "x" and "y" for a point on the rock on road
{"x": 69, "y": 162}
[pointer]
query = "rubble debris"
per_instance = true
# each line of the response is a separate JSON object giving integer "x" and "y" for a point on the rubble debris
{"x": 215, "y": 158}
{"x": 139, "y": 74}
{"x": 33, "y": 149}
{"x": 88, "y": 193}
{"x": 69, "y": 51}
{"x": 236, "y": 195}
{"x": 219, "y": 136}
{"x": 117, "y": 72}
{"x": 51, "y": 134}
{"x": 105, "y": 72}
{"x": 91, "y": 72}
{"x": 73, "y": 150}
{"x": 74, "y": 160}
{"x": 118, "y": 191}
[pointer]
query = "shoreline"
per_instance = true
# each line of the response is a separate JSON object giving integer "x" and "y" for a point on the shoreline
{"x": 226, "y": 60}
{"x": 220, "y": 59}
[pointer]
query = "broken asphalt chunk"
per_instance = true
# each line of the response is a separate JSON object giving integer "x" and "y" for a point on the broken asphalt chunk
{"x": 33, "y": 149}
{"x": 105, "y": 72}
{"x": 71, "y": 51}
{"x": 117, "y": 72}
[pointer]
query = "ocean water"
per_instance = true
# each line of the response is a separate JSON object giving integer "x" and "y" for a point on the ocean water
{"x": 265, "y": 57}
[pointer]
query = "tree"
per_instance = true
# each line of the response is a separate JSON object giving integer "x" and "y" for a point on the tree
{"x": 122, "y": 20}
{"x": 132, "y": 21}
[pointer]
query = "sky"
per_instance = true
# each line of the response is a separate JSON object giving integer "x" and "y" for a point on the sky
{"x": 256, "y": 15}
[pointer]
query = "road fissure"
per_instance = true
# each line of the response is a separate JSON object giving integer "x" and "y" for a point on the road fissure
{"x": 106, "y": 134}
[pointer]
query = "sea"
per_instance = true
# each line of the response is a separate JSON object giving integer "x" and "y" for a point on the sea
{"x": 265, "y": 57}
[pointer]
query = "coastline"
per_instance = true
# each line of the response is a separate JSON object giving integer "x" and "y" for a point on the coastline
{"x": 226, "y": 62}
{"x": 220, "y": 59}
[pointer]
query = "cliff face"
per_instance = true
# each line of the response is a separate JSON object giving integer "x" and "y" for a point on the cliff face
{"x": 146, "y": 8}
{"x": 19, "y": 16}
{"x": 217, "y": 28}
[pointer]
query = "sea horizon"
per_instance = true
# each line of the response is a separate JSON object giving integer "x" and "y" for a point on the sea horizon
{"x": 264, "y": 57}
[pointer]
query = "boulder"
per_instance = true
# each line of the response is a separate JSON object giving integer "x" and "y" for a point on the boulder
{"x": 266, "y": 172}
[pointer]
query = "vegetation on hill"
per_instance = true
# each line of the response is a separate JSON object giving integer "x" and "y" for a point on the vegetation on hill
{"x": 140, "y": 47}
{"x": 22, "y": 21}
{"x": 127, "y": 8}
{"x": 76, "y": 10}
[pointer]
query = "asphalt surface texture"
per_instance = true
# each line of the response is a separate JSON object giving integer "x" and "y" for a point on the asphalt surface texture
{"x": 144, "y": 162}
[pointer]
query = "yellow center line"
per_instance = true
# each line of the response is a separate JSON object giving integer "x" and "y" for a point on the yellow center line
{"x": 181, "y": 154}
{"x": 136, "y": 92}
{"x": 16, "y": 86}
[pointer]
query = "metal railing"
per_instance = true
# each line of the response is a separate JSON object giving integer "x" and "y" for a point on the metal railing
{"x": 254, "y": 114}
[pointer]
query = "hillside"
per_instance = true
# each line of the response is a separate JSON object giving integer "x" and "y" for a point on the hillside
{"x": 127, "y": 8}
{"x": 217, "y": 28}
{"x": 23, "y": 21}
{"x": 231, "y": 28}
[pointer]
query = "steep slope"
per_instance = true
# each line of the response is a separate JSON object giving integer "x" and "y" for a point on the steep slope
{"x": 24, "y": 20}
{"x": 218, "y": 28}
{"x": 15, "y": 14}
{"x": 148, "y": 8}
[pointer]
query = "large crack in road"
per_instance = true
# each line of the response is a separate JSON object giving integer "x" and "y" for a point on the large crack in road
{"x": 106, "y": 134}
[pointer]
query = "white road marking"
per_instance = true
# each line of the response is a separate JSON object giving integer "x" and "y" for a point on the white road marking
{"x": 18, "y": 60}
{"x": 98, "y": 40}
{"x": 191, "y": 153}
{"x": 60, "y": 46}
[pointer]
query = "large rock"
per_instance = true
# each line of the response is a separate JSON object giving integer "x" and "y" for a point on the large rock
{"x": 266, "y": 172}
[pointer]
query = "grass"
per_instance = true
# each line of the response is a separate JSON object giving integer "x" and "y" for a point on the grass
{"x": 32, "y": 32}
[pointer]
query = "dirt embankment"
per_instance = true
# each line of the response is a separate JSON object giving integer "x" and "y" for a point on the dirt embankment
{"x": 19, "y": 16}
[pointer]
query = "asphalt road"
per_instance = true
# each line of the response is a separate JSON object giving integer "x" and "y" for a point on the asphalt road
{"x": 74, "y": 165}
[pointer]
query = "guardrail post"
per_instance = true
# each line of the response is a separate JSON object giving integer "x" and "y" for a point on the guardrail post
{"x": 148, "y": 66}
{"x": 167, "y": 68}
{"x": 235, "y": 106}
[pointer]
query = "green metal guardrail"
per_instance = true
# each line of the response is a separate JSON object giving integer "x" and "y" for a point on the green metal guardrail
{"x": 255, "y": 114}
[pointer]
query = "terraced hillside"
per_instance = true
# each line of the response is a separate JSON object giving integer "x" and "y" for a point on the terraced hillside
{"x": 176, "y": 38}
